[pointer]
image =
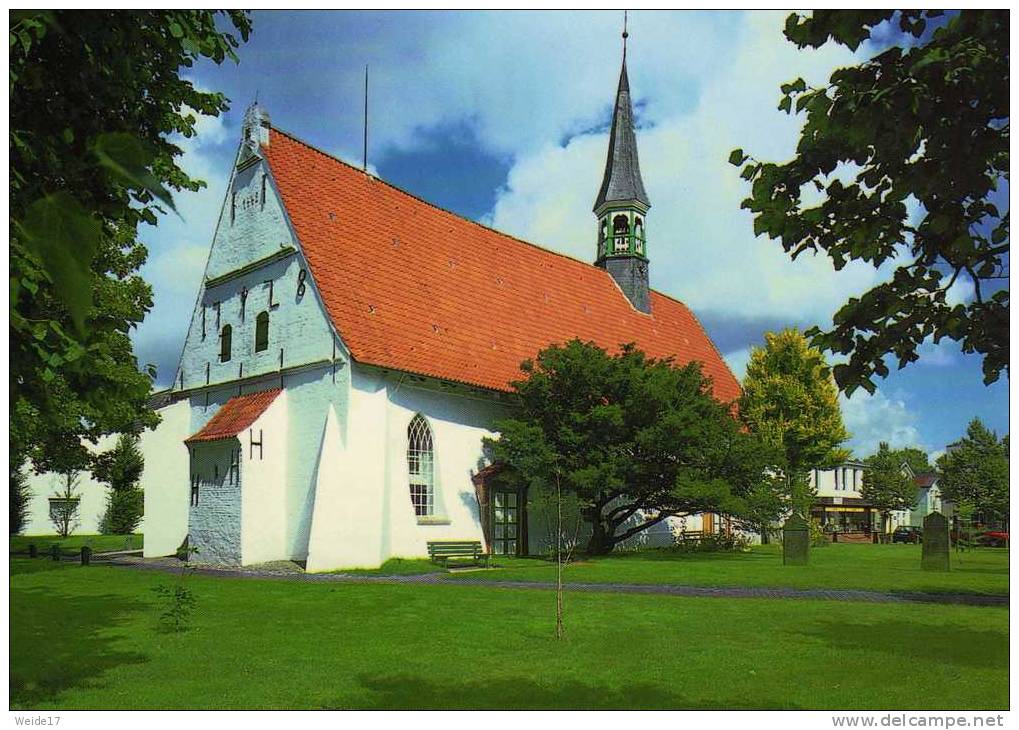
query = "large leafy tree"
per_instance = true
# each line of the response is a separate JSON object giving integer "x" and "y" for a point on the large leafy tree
{"x": 791, "y": 403}
{"x": 974, "y": 473}
{"x": 885, "y": 485}
{"x": 635, "y": 439}
{"x": 917, "y": 459}
{"x": 96, "y": 98}
{"x": 922, "y": 131}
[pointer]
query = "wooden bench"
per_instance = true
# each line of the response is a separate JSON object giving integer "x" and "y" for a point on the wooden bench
{"x": 442, "y": 551}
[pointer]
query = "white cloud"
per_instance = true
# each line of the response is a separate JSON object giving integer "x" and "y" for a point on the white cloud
{"x": 872, "y": 419}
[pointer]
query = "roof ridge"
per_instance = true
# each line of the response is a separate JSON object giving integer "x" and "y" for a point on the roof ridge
{"x": 418, "y": 198}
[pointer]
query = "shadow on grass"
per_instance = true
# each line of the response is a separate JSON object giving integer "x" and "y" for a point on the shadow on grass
{"x": 412, "y": 692}
{"x": 24, "y": 566}
{"x": 61, "y": 641}
{"x": 928, "y": 644}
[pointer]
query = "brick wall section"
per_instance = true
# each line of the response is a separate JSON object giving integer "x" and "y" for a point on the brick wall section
{"x": 215, "y": 523}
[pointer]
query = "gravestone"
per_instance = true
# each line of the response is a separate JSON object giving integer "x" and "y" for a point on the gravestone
{"x": 935, "y": 542}
{"x": 795, "y": 540}
{"x": 55, "y": 552}
{"x": 86, "y": 555}
{"x": 33, "y": 551}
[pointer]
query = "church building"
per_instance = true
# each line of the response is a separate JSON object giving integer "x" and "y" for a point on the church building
{"x": 352, "y": 344}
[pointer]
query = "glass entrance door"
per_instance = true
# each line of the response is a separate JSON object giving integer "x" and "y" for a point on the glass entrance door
{"x": 505, "y": 522}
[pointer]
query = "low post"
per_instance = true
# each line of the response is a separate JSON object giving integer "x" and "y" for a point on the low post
{"x": 935, "y": 551}
{"x": 33, "y": 551}
{"x": 795, "y": 540}
{"x": 86, "y": 555}
{"x": 55, "y": 551}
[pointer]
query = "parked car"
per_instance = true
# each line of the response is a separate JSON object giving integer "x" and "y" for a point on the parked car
{"x": 908, "y": 534}
{"x": 993, "y": 538}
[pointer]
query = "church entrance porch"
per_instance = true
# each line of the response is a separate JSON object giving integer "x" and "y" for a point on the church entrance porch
{"x": 503, "y": 512}
{"x": 505, "y": 523}
{"x": 507, "y": 520}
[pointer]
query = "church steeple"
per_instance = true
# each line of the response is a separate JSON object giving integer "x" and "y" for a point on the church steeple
{"x": 622, "y": 204}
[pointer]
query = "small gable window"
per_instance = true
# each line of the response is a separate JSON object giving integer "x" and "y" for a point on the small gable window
{"x": 226, "y": 341}
{"x": 262, "y": 332}
{"x": 420, "y": 467}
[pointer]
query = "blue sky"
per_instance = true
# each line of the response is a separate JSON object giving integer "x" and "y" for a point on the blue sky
{"x": 503, "y": 117}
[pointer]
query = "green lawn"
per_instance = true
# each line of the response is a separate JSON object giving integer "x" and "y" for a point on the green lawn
{"x": 88, "y": 638}
{"x": 98, "y": 543}
{"x": 873, "y": 567}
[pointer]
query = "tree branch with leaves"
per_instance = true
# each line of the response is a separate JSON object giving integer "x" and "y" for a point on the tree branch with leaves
{"x": 922, "y": 130}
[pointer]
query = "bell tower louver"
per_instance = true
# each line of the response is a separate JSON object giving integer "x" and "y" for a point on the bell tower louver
{"x": 622, "y": 204}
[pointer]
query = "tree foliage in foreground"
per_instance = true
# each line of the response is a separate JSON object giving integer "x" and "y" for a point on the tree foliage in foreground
{"x": 791, "y": 403}
{"x": 19, "y": 497}
{"x": 974, "y": 474}
{"x": 635, "y": 439}
{"x": 885, "y": 485}
{"x": 95, "y": 100}
{"x": 924, "y": 122}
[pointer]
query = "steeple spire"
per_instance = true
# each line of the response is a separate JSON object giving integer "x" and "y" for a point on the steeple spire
{"x": 622, "y": 203}
{"x": 622, "y": 179}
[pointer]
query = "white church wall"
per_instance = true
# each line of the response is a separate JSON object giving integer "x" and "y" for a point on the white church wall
{"x": 299, "y": 331}
{"x": 458, "y": 422}
{"x": 263, "y": 463}
{"x": 166, "y": 480}
{"x": 347, "y": 527}
{"x": 311, "y": 396}
{"x": 330, "y": 499}
{"x": 254, "y": 266}
{"x": 252, "y": 224}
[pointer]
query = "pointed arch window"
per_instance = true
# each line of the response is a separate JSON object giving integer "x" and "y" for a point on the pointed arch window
{"x": 262, "y": 332}
{"x": 421, "y": 466}
{"x": 226, "y": 343}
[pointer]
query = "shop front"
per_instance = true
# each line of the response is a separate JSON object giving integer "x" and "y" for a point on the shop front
{"x": 845, "y": 519}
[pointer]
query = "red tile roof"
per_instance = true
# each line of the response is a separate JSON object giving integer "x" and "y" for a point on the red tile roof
{"x": 416, "y": 288}
{"x": 926, "y": 479}
{"x": 235, "y": 416}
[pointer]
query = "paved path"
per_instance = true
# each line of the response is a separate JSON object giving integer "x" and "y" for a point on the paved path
{"x": 290, "y": 571}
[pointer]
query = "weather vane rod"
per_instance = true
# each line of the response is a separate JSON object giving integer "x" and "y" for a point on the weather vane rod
{"x": 625, "y": 36}
{"x": 365, "y": 164}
